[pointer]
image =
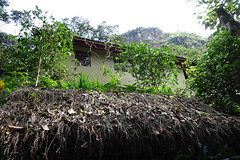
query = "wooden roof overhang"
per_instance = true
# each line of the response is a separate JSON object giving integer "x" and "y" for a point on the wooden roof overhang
{"x": 181, "y": 60}
{"x": 87, "y": 43}
{"x": 83, "y": 42}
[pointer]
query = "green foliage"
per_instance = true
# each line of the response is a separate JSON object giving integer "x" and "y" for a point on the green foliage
{"x": 153, "y": 69}
{"x": 6, "y": 17}
{"x": 43, "y": 45}
{"x": 209, "y": 17}
{"x": 115, "y": 78}
{"x": 188, "y": 41}
{"x": 46, "y": 46}
{"x": 8, "y": 44}
{"x": 182, "y": 51}
{"x": 81, "y": 27}
{"x": 216, "y": 77}
{"x": 81, "y": 81}
{"x": 7, "y": 40}
{"x": 202, "y": 152}
{"x": 47, "y": 82}
{"x": 119, "y": 39}
{"x": 3, "y": 13}
{"x": 105, "y": 32}
{"x": 114, "y": 85}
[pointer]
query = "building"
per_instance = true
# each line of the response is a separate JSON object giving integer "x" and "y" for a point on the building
{"x": 92, "y": 55}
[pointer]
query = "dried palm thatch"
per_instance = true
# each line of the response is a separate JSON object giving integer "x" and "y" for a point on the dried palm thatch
{"x": 77, "y": 124}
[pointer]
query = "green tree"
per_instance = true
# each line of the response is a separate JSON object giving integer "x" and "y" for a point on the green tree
{"x": 81, "y": 27}
{"x": 182, "y": 51}
{"x": 8, "y": 44}
{"x": 188, "y": 41}
{"x": 43, "y": 45}
{"x": 221, "y": 14}
{"x": 6, "y": 17}
{"x": 153, "y": 69}
{"x": 105, "y": 32}
{"x": 7, "y": 40}
{"x": 216, "y": 77}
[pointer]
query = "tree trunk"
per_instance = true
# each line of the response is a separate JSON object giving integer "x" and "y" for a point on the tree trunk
{"x": 228, "y": 21}
{"x": 39, "y": 68}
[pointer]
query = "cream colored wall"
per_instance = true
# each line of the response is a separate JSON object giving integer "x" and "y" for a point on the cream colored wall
{"x": 181, "y": 78}
{"x": 97, "y": 62}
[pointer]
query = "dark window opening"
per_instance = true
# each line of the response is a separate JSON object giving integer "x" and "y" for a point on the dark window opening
{"x": 83, "y": 58}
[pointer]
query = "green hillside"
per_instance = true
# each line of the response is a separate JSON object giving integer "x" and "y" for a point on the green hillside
{"x": 182, "y": 43}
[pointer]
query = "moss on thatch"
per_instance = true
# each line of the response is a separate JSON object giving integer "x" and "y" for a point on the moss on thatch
{"x": 77, "y": 124}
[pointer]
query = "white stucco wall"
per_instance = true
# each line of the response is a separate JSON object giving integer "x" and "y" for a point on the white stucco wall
{"x": 97, "y": 62}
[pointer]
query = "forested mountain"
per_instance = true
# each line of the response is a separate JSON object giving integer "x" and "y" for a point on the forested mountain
{"x": 157, "y": 37}
{"x": 185, "y": 44}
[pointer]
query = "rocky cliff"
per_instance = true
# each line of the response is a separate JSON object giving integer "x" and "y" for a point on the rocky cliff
{"x": 156, "y": 37}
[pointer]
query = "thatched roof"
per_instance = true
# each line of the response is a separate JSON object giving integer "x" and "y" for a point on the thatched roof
{"x": 77, "y": 124}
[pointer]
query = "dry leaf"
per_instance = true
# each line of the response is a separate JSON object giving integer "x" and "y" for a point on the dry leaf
{"x": 71, "y": 111}
{"x": 176, "y": 121}
{"x": 101, "y": 97}
{"x": 84, "y": 145}
{"x": 45, "y": 127}
{"x": 83, "y": 120}
{"x": 51, "y": 111}
{"x": 14, "y": 127}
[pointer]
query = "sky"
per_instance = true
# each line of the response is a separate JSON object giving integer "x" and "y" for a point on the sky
{"x": 167, "y": 15}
